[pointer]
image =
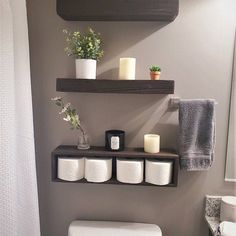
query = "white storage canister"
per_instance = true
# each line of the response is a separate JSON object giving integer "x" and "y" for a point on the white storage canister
{"x": 98, "y": 170}
{"x": 158, "y": 172}
{"x": 129, "y": 170}
{"x": 70, "y": 169}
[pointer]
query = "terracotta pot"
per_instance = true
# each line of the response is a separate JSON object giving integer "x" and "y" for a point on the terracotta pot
{"x": 155, "y": 75}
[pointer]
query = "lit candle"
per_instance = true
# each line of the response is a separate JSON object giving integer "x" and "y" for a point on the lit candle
{"x": 152, "y": 143}
{"x": 127, "y": 68}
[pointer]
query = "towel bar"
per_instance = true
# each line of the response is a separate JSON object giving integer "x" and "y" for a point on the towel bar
{"x": 174, "y": 103}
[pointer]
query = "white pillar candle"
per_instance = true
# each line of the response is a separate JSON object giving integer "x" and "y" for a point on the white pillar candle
{"x": 127, "y": 68}
{"x": 152, "y": 143}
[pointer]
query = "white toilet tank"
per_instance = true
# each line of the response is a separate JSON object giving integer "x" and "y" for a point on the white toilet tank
{"x": 109, "y": 228}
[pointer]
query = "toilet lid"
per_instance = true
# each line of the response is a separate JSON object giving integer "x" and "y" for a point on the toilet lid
{"x": 109, "y": 228}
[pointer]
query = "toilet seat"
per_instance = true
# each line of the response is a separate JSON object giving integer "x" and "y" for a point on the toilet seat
{"x": 109, "y": 228}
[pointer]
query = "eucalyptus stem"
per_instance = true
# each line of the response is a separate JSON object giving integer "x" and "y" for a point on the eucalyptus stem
{"x": 71, "y": 116}
{"x": 81, "y": 129}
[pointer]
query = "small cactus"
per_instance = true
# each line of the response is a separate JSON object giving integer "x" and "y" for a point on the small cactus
{"x": 155, "y": 69}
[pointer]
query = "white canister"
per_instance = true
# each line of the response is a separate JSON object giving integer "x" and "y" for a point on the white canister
{"x": 70, "y": 169}
{"x": 86, "y": 68}
{"x": 129, "y": 170}
{"x": 98, "y": 170}
{"x": 228, "y": 209}
{"x": 158, "y": 172}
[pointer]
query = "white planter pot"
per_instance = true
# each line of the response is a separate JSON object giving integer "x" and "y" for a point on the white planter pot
{"x": 85, "y": 68}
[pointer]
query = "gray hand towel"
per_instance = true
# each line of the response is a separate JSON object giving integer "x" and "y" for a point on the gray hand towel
{"x": 196, "y": 134}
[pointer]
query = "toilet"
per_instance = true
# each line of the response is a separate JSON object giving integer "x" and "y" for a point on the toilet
{"x": 109, "y": 228}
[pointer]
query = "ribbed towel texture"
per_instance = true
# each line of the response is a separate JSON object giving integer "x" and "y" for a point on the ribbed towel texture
{"x": 196, "y": 133}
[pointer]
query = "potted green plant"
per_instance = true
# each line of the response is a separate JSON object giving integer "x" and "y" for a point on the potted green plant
{"x": 155, "y": 72}
{"x": 71, "y": 116}
{"x": 86, "y": 48}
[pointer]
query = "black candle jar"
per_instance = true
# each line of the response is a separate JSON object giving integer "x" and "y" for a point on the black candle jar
{"x": 115, "y": 140}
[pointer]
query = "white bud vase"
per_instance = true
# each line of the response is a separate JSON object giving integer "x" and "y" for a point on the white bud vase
{"x": 85, "y": 68}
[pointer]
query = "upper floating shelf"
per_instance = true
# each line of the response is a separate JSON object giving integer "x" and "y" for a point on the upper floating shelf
{"x": 118, "y": 10}
{"x": 116, "y": 86}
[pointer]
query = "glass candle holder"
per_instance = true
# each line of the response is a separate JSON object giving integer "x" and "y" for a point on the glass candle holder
{"x": 115, "y": 140}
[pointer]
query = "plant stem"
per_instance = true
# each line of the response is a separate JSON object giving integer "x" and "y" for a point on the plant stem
{"x": 83, "y": 132}
{"x": 81, "y": 129}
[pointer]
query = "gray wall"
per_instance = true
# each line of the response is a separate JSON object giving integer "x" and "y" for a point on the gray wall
{"x": 195, "y": 50}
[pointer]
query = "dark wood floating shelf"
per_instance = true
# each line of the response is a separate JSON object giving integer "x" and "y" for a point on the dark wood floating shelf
{"x": 116, "y": 86}
{"x": 118, "y": 10}
{"x": 100, "y": 152}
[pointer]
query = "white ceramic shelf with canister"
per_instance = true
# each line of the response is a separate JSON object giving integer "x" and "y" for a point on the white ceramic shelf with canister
{"x": 66, "y": 151}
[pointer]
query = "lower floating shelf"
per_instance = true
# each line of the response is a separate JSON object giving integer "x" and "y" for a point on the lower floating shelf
{"x": 113, "y": 181}
{"x": 100, "y": 152}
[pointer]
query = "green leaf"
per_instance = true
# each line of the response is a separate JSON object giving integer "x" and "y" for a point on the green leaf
{"x": 155, "y": 69}
{"x": 87, "y": 46}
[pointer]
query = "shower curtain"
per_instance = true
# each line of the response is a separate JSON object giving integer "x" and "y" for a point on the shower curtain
{"x": 19, "y": 214}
